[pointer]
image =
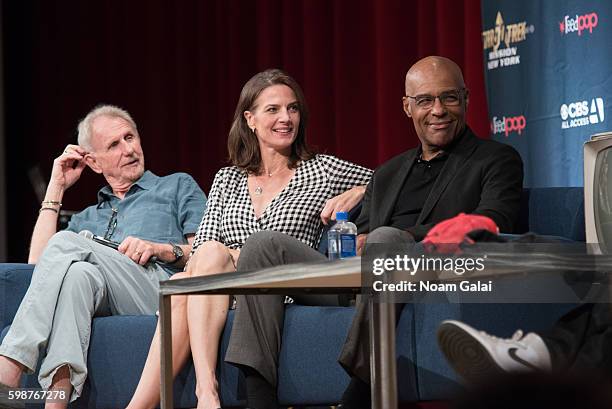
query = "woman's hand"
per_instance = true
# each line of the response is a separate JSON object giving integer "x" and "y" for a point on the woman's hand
{"x": 342, "y": 203}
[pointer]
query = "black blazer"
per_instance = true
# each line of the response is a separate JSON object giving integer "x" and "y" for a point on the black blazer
{"x": 480, "y": 177}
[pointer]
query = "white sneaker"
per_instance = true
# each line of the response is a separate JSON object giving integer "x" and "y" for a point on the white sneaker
{"x": 476, "y": 355}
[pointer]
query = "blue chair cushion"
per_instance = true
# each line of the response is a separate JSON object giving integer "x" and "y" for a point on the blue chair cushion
{"x": 554, "y": 211}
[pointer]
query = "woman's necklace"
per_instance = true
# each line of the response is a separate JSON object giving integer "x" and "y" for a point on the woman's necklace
{"x": 258, "y": 188}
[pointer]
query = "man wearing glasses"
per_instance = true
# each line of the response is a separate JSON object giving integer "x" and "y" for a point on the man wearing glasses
{"x": 451, "y": 172}
{"x": 109, "y": 260}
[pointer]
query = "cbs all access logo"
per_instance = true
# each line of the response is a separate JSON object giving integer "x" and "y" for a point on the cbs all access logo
{"x": 582, "y": 113}
{"x": 508, "y": 124}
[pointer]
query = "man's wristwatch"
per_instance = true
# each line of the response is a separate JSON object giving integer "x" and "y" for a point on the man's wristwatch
{"x": 177, "y": 251}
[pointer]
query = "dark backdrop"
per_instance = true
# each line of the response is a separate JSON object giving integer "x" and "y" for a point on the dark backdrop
{"x": 178, "y": 68}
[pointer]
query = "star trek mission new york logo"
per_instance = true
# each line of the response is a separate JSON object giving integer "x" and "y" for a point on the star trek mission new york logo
{"x": 502, "y": 40}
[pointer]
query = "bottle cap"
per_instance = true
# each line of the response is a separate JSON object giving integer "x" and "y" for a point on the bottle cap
{"x": 341, "y": 216}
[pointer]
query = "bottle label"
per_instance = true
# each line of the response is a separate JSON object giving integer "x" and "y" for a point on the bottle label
{"x": 332, "y": 246}
{"x": 348, "y": 245}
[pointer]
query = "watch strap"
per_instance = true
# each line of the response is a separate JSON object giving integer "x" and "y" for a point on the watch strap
{"x": 177, "y": 251}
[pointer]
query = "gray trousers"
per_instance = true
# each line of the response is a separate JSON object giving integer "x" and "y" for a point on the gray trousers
{"x": 75, "y": 279}
{"x": 256, "y": 335}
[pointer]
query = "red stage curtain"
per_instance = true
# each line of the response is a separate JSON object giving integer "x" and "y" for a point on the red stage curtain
{"x": 178, "y": 67}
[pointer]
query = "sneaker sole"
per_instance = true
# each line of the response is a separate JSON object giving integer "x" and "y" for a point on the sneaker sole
{"x": 468, "y": 357}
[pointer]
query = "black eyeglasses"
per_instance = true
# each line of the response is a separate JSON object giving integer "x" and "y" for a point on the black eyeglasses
{"x": 112, "y": 224}
{"x": 447, "y": 98}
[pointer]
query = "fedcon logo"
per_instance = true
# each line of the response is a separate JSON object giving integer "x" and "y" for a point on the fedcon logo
{"x": 579, "y": 23}
{"x": 582, "y": 113}
{"x": 508, "y": 124}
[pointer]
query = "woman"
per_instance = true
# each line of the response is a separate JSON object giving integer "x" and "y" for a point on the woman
{"x": 276, "y": 183}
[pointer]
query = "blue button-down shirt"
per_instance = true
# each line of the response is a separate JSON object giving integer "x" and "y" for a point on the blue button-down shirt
{"x": 158, "y": 209}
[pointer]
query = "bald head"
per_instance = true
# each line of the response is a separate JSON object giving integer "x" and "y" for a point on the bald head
{"x": 430, "y": 68}
{"x": 436, "y": 100}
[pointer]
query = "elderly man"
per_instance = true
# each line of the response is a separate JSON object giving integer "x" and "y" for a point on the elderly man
{"x": 152, "y": 219}
{"x": 452, "y": 171}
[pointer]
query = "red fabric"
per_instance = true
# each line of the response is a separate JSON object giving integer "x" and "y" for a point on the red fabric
{"x": 446, "y": 236}
{"x": 178, "y": 67}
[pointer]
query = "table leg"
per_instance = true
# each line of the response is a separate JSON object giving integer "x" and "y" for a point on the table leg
{"x": 165, "y": 328}
{"x": 383, "y": 373}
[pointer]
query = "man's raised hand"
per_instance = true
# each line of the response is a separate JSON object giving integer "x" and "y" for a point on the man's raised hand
{"x": 67, "y": 167}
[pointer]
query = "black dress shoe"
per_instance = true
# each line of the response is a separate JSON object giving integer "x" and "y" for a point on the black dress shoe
{"x": 356, "y": 395}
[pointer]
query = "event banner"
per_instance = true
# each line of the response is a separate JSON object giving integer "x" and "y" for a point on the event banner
{"x": 548, "y": 72}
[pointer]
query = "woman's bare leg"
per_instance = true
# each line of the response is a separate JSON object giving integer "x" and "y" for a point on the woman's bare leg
{"x": 147, "y": 392}
{"x": 206, "y": 316}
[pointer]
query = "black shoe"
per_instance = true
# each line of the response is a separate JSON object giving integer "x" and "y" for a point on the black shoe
{"x": 356, "y": 395}
{"x": 260, "y": 393}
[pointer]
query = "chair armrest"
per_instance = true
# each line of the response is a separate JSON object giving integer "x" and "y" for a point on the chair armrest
{"x": 14, "y": 282}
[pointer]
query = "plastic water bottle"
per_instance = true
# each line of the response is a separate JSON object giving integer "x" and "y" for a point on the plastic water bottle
{"x": 342, "y": 238}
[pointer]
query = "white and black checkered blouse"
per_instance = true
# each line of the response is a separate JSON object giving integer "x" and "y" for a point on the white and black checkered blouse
{"x": 230, "y": 219}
